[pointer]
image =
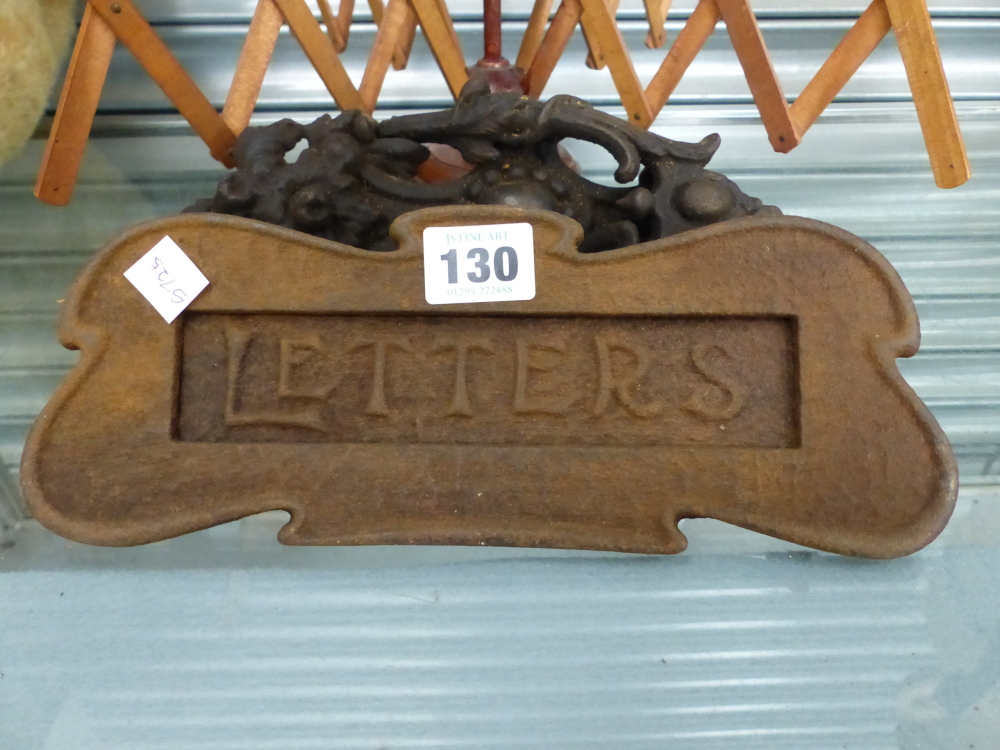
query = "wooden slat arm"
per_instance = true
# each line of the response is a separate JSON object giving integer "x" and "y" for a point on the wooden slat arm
{"x": 81, "y": 92}
{"x": 595, "y": 57}
{"x": 764, "y": 85}
{"x": 911, "y": 23}
{"x": 656, "y": 14}
{"x": 319, "y": 49}
{"x": 553, "y": 46}
{"x": 686, "y": 46}
{"x": 600, "y": 23}
{"x": 534, "y": 33}
{"x": 401, "y": 55}
{"x": 135, "y": 33}
{"x": 856, "y": 46}
{"x": 345, "y": 16}
{"x": 332, "y": 26}
{"x": 393, "y": 24}
{"x": 449, "y": 25}
{"x": 443, "y": 41}
{"x": 265, "y": 27}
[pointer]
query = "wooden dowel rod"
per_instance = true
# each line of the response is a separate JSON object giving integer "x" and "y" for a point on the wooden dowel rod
{"x": 764, "y": 85}
{"x": 534, "y": 33}
{"x": 258, "y": 47}
{"x": 386, "y": 39}
{"x": 686, "y": 46}
{"x": 911, "y": 23}
{"x": 599, "y": 21}
{"x": 135, "y": 33}
{"x": 441, "y": 38}
{"x": 492, "y": 40}
{"x": 319, "y": 49}
{"x": 552, "y": 47}
{"x": 853, "y": 50}
{"x": 81, "y": 92}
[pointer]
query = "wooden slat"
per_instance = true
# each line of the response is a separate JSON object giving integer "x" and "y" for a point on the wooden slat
{"x": 319, "y": 49}
{"x": 135, "y": 33}
{"x": 332, "y": 27}
{"x": 856, "y": 46}
{"x": 534, "y": 33}
{"x": 911, "y": 23}
{"x": 553, "y": 46}
{"x": 345, "y": 15}
{"x": 446, "y": 16}
{"x": 764, "y": 85}
{"x": 686, "y": 46}
{"x": 392, "y": 26}
{"x": 441, "y": 38}
{"x": 252, "y": 66}
{"x": 656, "y": 14}
{"x": 595, "y": 57}
{"x": 81, "y": 92}
{"x": 401, "y": 55}
{"x": 600, "y": 23}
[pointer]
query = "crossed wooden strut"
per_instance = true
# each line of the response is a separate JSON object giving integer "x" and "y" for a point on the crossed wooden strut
{"x": 544, "y": 42}
{"x": 785, "y": 123}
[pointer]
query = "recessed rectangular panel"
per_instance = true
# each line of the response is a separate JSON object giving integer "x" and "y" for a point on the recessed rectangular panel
{"x": 493, "y": 380}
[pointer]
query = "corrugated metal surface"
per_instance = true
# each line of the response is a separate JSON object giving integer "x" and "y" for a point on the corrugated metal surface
{"x": 223, "y": 639}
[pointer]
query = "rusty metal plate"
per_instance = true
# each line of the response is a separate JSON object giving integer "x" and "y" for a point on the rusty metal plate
{"x": 744, "y": 372}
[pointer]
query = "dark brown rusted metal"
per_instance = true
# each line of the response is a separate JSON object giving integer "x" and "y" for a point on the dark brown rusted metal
{"x": 742, "y": 371}
{"x": 356, "y": 176}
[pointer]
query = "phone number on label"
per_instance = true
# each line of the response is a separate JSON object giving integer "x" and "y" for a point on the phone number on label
{"x": 480, "y": 291}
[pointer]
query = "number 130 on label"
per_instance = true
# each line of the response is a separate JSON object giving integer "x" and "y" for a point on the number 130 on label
{"x": 491, "y": 263}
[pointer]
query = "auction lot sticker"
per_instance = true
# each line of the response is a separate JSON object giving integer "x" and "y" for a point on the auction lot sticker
{"x": 491, "y": 263}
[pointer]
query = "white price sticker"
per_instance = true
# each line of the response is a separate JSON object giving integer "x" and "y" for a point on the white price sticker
{"x": 167, "y": 278}
{"x": 492, "y": 263}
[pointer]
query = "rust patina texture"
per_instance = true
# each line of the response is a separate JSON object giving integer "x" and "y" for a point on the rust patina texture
{"x": 743, "y": 371}
{"x": 355, "y": 175}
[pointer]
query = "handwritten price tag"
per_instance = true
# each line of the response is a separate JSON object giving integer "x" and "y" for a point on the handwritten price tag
{"x": 167, "y": 278}
{"x": 492, "y": 263}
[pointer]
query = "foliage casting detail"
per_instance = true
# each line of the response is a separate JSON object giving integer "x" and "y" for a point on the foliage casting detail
{"x": 357, "y": 175}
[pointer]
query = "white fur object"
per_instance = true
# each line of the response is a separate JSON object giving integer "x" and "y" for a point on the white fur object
{"x": 34, "y": 38}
